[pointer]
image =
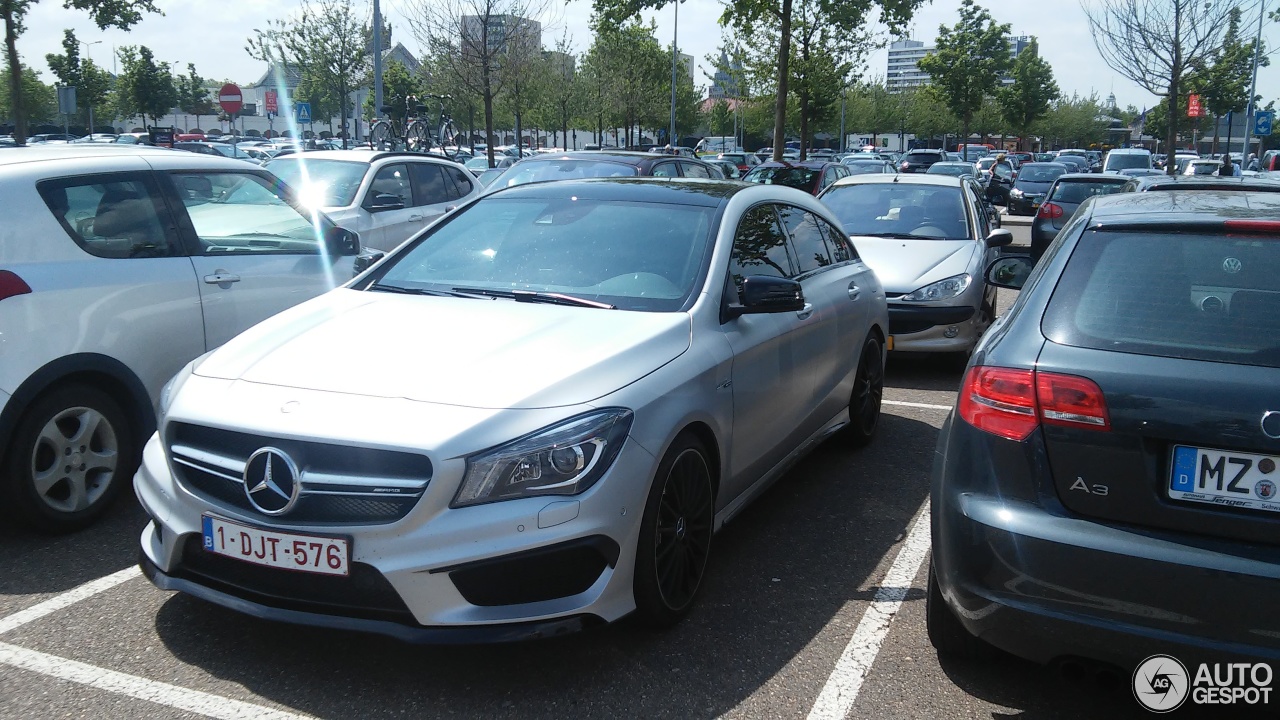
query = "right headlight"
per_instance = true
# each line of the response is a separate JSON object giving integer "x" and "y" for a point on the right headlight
{"x": 563, "y": 459}
{"x": 941, "y": 290}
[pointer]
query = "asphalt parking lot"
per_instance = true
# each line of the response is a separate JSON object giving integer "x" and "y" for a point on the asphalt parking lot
{"x": 814, "y": 607}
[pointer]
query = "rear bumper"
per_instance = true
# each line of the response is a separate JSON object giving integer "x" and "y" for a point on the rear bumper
{"x": 1042, "y": 585}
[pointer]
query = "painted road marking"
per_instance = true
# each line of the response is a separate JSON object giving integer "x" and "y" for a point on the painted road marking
{"x": 214, "y": 706}
{"x": 926, "y": 406}
{"x": 855, "y": 663}
{"x": 70, "y": 597}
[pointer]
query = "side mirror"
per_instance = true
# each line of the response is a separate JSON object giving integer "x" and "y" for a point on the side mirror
{"x": 341, "y": 242}
{"x": 999, "y": 238}
{"x": 768, "y": 294}
{"x": 366, "y": 260}
{"x": 1010, "y": 272}
{"x": 382, "y": 202}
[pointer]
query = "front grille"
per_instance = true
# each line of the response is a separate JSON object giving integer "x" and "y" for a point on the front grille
{"x": 340, "y": 485}
{"x": 364, "y": 593}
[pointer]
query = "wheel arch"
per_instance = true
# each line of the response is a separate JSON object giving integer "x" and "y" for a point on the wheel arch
{"x": 106, "y": 373}
{"x": 703, "y": 433}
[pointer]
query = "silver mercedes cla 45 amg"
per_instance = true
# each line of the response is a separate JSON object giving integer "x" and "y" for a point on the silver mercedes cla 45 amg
{"x": 528, "y": 419}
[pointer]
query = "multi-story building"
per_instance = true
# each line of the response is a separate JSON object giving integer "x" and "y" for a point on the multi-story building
{"x": 722, "y": 83}
{"x": 903, "y": 69}
{"x": 500, "y": 33}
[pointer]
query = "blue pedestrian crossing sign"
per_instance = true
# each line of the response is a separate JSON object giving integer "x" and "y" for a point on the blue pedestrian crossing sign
{"x": 1262, "y": 121}
{"x": 302, "y": 111}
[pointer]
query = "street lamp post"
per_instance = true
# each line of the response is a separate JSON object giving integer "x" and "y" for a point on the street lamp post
{"x": 1253, "y": 90}
{"x": 675, "y": 56}
{"x": 87, "y": 45}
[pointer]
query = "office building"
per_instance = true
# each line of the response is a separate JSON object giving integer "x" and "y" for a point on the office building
{"x": 903, "y": 70}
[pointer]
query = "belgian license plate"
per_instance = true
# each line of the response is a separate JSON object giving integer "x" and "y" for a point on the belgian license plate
{"x": 289, "y": 551}
{"x": 1225, "y": 478}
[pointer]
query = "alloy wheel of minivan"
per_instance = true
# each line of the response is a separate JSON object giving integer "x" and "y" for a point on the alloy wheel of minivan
{"x": 675, "y": 535}
{"x": 868, "y": 392}
{"x": 69, "y": 454}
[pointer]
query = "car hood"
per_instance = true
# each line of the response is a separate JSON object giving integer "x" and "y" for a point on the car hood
{"x": 905, "y": 265}
{"x": 454, "y": 351}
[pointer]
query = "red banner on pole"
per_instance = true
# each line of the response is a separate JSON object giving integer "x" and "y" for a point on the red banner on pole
{"x": 1194, "y": 108}
{"x": 269, "y": 99}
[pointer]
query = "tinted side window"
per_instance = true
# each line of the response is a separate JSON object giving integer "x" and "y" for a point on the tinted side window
{"x": 112, "y": 216}
{"x": 837, "y": 243}
{"x": 759, "y": 247}
{"x": 430, "y": 186}
{"x": 391, "y": 180}
{"x": 806, "y": 238}
{"x": 694, "y": 170}
{"x": 666, "y": 169}
{"x": 461, "y": 182}
{"x": 242, "y": 214}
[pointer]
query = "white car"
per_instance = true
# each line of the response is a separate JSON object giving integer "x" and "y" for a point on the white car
{"x": 117, "y": 267}
{"x": 386, "y": 197}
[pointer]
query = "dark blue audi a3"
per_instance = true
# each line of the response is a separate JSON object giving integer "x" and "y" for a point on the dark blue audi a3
{"x": 1106, "y": 487}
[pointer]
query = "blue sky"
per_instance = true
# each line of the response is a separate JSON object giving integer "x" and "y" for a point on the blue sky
{"x": 213, "y": 37}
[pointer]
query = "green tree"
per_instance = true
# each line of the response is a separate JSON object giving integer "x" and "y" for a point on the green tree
{"x": 144, "y": 88}
{"x": 1073, "y": 122}
{"x": 39, "y": 99}
{"x": 720, "y": 118}
{"x": 632, "y": 72}
{"x": 193, "y": 95}
{"x": 876, "y": 110}
{"x": 970, "y": 59}
{"x": 926, "y": 115}
{"x": 92, "y": 84}
{"x": 1028, "y": 98}
{"x": 1224, "y": 80}
{"x": 398, "y": 84}
{"x": 328, "y": 45}
{"x": 122, "y": 14}
{"x": 842, "y": 18}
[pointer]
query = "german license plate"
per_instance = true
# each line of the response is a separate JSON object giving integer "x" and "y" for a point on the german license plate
{"x": 289, "y": 551}
{"x": 1225, "y": 478}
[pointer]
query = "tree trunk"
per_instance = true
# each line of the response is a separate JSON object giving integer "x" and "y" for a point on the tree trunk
{"x": 965, "y": 129}
{"x": 564, "y": 126}
{"x": 1216, "y": 121}
{"x": 488, "y": 113}
{"x": 15, "y": 73}
{"x": 804, "y": 126}
{"x": 780, "y": 103}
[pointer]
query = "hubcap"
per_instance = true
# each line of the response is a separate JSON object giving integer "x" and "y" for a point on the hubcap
{"x": 74, "y": 459}
{"x": 684, "y": 529}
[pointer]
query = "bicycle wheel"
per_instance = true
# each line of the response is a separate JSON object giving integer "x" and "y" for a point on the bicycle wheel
{"x": 381, "y": 136}
{"x": 416, "y": 137}
{"x": 450, "y": 140}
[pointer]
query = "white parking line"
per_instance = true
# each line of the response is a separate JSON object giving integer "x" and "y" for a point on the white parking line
{"x": 926, "y": 406}
{"x": 214, "y": 706}
{"x": 842, "y": 687}
{"x": 70, "y": 597}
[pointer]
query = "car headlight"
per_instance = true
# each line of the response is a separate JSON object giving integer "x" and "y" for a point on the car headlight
{"x": 1015, "y": 193}
{"x": 563, "y": 459}
{"x": 941, "y": 290}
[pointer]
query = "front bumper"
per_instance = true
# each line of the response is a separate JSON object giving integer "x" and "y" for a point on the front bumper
{"x": 925, "y": 329}
{"x": 428, "y": 568}
{"x": 1043, "y": 585}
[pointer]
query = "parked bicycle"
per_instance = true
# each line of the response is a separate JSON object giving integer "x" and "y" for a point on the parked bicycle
{"x": 416, "y": 135}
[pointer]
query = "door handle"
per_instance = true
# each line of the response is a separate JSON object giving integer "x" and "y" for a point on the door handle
{"x": 805, "y": 312}
{"x": 415, "y": 218}
{"x": 854, "y": 291}
{"x": 451, "y": 208}
{"x": 220, "y": 277}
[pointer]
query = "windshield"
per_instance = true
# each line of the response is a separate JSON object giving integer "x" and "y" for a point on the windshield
{"x": 1209, "y": 167}
{"x": 636, "y": 256}
{"x": 1121, "y": 161}
{"x": 321, "y": 183}
{"x": 531, "y": 171}
{"x": 1039, "y": 174}
{"x": 1077, "y": 191}
{"x": 865, "y": 168}
{"x": 957, "y": 170}
{"x": 799, "y": 178}
{"x": 924, "y": 211}
{"x": 986, "y": 163}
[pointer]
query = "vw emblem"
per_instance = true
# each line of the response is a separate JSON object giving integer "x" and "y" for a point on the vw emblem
{"x": 271, "y": 481}
{"x": 1232, "y": 265}
{"x": 1271, "y": 424}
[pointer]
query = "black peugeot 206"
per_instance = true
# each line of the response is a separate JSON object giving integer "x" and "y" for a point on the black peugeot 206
{"x": 1106, "y": 487}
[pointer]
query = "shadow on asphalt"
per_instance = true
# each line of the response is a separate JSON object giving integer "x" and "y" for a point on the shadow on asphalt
{"x": 779, "y": 573}
{"x": 924, "y": 371}
{"x": 31, "y": 563}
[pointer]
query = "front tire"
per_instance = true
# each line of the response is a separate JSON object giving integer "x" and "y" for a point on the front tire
{"x": 675, "y": 535}
{"x": 73, "y": 451}
{"x": 868, "y": 392}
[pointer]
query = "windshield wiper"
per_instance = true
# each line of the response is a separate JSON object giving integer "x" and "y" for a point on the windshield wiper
{"x": 895, "y": 236}
{"x": 380, "y": 287}
{"x": 538, "y": 297}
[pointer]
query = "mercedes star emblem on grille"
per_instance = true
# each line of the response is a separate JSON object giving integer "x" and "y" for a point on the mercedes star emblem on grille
{"x": 271, "y": 481}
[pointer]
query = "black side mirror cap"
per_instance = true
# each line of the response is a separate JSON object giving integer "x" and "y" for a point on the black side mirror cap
{"x": 999, "y": 238}
{"x": 366, "y": 260}
{"x": 1010, "y": 271}
{"x": 341, "y": 242}
{"x": 763, "y": 294}
{"x": 382, "y": 202}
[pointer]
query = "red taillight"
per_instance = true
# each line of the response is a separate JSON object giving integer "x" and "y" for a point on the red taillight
{"x": 11, "y": 284}
{"x": 1012, "y": 403}
{"x": 1072, "y": 401}
{"x": 743, "y": 167}
{"x": 1267, "y": 226}
{"x": 1050, "y": 211}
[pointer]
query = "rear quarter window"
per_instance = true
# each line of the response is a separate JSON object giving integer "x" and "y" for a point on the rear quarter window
{"x": 1196, "y": 296}
{"x": 1079, "y": 191}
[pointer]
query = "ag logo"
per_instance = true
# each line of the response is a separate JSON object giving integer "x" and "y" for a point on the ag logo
{"x": 1160, "y": 683}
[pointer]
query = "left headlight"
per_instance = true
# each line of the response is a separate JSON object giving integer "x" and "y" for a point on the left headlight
{"x": 1015, "y": 192}
{"x": 941, "y": 290}
{"x": 563, "y": 459}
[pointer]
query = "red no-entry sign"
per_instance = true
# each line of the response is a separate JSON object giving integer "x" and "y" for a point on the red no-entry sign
{"x": 230, "y": 99}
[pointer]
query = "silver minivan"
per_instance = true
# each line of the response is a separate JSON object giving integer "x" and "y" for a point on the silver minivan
{"x": 1127, "y": 159}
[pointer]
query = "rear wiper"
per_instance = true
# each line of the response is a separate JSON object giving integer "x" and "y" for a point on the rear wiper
{"x": 537, "y": 297}
{"x": 380, "y": 287}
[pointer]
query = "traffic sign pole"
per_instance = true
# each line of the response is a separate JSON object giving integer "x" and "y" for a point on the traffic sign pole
{"x": 1253, "y": 89}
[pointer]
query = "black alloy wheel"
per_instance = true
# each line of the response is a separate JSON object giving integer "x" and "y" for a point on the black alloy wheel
{"x": 675, "y": 535}
{"x": 868, "y": 393}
